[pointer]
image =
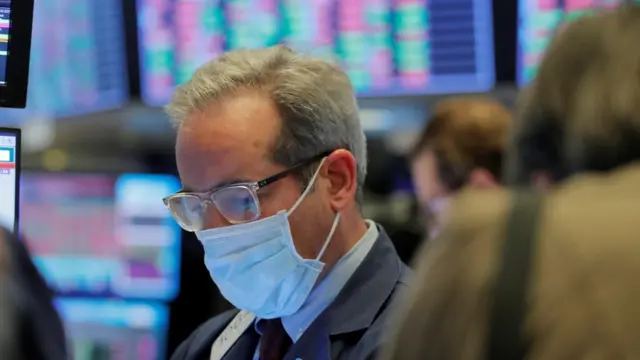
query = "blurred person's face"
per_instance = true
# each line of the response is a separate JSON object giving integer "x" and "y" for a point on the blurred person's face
{"x": 433, "y": 196}
{"x": 231, "y": 142}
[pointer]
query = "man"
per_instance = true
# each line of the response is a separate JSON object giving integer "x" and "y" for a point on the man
{"x": 577, "y": 141}
{"x": 272, "y": 159}
{"x": 462, "y": 144}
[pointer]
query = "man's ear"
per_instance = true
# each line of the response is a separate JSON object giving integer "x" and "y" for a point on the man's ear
{"x": 341, "y": 170}
{"x": 483, "y": 179}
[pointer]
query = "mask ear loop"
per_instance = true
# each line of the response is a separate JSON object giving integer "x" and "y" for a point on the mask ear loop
{"x": 336, "y": 221}
{"x": 307, "y": 190}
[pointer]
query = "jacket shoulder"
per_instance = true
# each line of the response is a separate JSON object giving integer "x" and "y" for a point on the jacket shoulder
{"x": 201, "y": 339}
{"x": 376, "y": 335}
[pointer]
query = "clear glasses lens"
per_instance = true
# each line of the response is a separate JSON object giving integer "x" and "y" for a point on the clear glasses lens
{"x": 237, "y": 203}
{"x": 188, "y": 210}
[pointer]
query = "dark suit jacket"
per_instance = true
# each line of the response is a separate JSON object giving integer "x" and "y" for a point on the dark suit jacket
{"x": 351, "y": 328}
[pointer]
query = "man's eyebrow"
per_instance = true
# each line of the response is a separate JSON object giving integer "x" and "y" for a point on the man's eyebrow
{"x": 186, "y": 189}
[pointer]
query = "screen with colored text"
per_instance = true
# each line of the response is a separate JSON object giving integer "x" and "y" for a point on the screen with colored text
{"x": 5, "y": 26}
{"x": 111, "y": 329}
{"x": 388, "y": 48}
{"x": 78, "y": 60}
{"x": 100, "y": 235}
{"x": 538, "y": 21}
{"x": 8, "y": 179}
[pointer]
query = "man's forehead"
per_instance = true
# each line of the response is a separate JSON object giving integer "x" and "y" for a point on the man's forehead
{"x": 209, "y": 163}
{"x": 217, "y": 156}
{"x": 249, "y": 119}
{"x": 228, "y": 140}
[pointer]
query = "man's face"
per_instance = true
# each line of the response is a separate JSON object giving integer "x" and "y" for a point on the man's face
{"x": 432, "y": 194}
{"x": 231, "y": 141}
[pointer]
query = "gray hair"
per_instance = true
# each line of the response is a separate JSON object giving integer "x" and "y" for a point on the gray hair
{"x": 314, "y": 97}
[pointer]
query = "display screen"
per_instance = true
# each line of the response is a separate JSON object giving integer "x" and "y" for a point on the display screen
{"x": 388, "y": 48}
{"x": 99, "y": 235}
{"x": 114, "y": 329}
{"x": 8, "y": 182}
{"x": 538, "y": 20}
{"x": 78, "y": 60}
{"x": 5, "y": 25}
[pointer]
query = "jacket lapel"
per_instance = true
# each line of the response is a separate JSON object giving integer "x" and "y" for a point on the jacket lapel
{"x": 245, "y": 347}
{"x": 357, "y": 305}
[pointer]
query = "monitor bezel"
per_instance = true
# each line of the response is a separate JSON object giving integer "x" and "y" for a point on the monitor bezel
{"x": 18, "y": 161}
{"x": 13, "y": 93}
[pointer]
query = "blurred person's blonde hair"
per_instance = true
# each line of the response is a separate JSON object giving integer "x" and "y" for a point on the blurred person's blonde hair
{"x": 582, "y": 115}
{"x": 582, "y": 112}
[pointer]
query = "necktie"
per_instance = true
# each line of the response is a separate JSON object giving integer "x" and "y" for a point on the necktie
{"x": 275, "y": 341}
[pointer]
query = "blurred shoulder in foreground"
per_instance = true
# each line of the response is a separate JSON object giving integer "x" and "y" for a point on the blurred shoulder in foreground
{"x": 583, "y": 295}
{"x": 30, "y": 327}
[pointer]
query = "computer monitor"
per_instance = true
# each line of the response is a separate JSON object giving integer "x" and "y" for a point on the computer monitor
{"x": 537, "y": 23}
{"x": 78, "y": 61}
{"x": 16, "y": 21}
{"x": 111, "y": 329}
{"x": 103, "y": 235}
{"x": 9, "y": 177}
{"x": 388, "y": 48}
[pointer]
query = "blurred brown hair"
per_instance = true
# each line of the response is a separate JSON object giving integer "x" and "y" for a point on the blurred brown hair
{"x": 466, "y": 133}
{"x": 582, "y": 112}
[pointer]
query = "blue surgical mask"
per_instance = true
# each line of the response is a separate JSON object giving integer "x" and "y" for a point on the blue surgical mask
{"x": 256, "y": 266}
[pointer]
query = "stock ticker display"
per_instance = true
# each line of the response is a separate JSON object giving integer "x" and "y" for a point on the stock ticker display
{"x": 5, "y": 25}
{"x": 99, "y": 235}
{"x": 78, "y": 60}
{"x": 8, "y": 149}
{"x": 538, "y": 20}
{"x": 110, "y": 329}
{"x": 388, "y": 47}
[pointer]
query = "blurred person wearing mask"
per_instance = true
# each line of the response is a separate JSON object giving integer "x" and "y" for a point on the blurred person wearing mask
{"x": 462, "y": 145}
{"x": 547, "y": 275}
{"x": 272, "y": 158}
{"x": 30, "y": 327}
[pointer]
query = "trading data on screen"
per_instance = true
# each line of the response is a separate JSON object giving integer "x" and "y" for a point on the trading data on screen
{"x": 109, "y": 329}
{"x": 78, "y": 60}
{"x": 5, "y": 25}
{"x": 538, "y": 21}
{"x": 98, "y": 235}
{"x": 387, "y": 47}
{"x": 7, "y": 180}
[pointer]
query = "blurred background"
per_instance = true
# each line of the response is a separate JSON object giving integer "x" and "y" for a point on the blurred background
{"x": 98, "y": 149}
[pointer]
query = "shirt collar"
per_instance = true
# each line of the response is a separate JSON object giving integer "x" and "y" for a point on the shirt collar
{"x": 328, "y": 289}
